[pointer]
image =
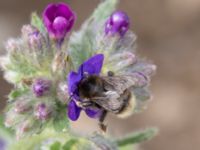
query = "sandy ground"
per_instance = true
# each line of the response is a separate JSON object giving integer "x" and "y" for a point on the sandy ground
{"x": 169, "y": 34}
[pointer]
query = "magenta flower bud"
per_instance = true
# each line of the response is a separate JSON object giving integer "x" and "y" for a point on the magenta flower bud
{"x": 42, "y": 112}
{"x": 41, "y": 87}
{"x": 118, "y": 23}
{"x": 58, "y": 20}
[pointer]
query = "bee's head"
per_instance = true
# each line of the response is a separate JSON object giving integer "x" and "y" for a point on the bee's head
{"x": 90, "y": 86}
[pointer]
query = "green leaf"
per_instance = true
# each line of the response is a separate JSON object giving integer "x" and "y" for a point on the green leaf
{"x": 101, "y": 141}
{"x": 55, "y": 146}
{"x": 61, "y": 122}
{"x": 137, "y": 137}
{"x": 37, "y": 22}
{"x": 82, "y": 44}
{"x": 69, "y": 144}
{"x": 105, "y": 9}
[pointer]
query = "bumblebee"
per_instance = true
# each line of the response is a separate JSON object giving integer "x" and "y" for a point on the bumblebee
{"x": 110, "y": 93}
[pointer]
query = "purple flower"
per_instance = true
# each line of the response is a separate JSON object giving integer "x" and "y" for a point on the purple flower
{"x": 58, "y": 19}
{"x": 117, "y": 23}
{"x": 41, "y": 87}
{"x": 91, "y": 66}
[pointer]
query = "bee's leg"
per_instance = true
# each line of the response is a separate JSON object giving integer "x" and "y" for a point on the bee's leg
{"x": 110, "y": 73}
{"x": 102, "y": 126}
{"x": 85, "y": 104}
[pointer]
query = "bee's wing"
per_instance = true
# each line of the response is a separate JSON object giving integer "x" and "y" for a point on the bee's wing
{"x": 109, "y": 101}
{"x": 119, "y": 83}
{"x": 115, "y": 86}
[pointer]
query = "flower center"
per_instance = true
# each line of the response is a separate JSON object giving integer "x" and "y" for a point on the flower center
{"x": 60, "y": 24}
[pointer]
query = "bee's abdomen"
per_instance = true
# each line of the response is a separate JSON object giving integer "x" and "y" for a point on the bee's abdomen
{"x": 129, "y": 103}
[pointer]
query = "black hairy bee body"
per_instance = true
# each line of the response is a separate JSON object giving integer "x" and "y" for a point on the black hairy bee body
{"x": 110, "y": 93}
{"x": 102, "y": 91}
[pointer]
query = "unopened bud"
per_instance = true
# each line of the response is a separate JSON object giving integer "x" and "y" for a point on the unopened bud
{"x": 145, "y": 68}
{"x": 124, "y": 56}
{"x": 32, "y": 35}
{"x": 22, "y": 106}
{"x": 41, "y": 87}
{"x": 62, "y": 92}
{"x": 150, "y": 69}
{"x": 43, "y": 112}
{"x": 24, "y": 127}
{"x": 12, "y": 45}
{"x": 27, "y": 30}
{"x": 118, "y": 23}
{"x": 35, "y": 40}
{"x": 141, "y": 79}
{"x": 12, "y": 118}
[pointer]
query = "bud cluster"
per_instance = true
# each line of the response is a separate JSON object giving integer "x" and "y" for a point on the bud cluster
{"x": 38, "y": 63}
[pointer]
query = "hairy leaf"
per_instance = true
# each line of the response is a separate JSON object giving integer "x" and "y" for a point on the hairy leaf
{"x": 138, "y": 137}
{"x": 82, "y": 43}
{"x": 37, "y": 22}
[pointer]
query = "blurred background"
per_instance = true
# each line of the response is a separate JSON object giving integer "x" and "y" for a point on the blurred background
{"x": 169, "y": 34}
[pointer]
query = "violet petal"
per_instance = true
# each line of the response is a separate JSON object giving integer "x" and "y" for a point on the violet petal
{"x": 73, "y": 111}
{"x": 73, "y": 79}
{"x": 93, "y": 65}
{"x": 93, "y": 112}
